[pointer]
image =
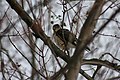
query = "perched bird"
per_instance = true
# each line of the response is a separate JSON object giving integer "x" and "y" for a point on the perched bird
{"x": 64, "y": 38}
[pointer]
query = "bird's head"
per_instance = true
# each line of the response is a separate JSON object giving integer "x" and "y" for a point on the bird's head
{"x": 56, "y": 27}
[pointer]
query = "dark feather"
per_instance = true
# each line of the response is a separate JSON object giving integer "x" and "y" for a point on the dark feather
{"x": 66, "y": 36}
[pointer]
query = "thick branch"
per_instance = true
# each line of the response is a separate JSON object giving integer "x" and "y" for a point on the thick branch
{"x": 25, "y": 17}
{"x": 85, "y": 36}
{"x": 36, "y": 27}
{"x": 105, "y": 63}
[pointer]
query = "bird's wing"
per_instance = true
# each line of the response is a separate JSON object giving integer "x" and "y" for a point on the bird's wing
{"x": 66, "y": 36}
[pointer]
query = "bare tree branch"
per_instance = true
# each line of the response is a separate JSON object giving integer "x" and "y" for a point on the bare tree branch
{"x": 84, "y": 37}
{"x": 74, "y": 64}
